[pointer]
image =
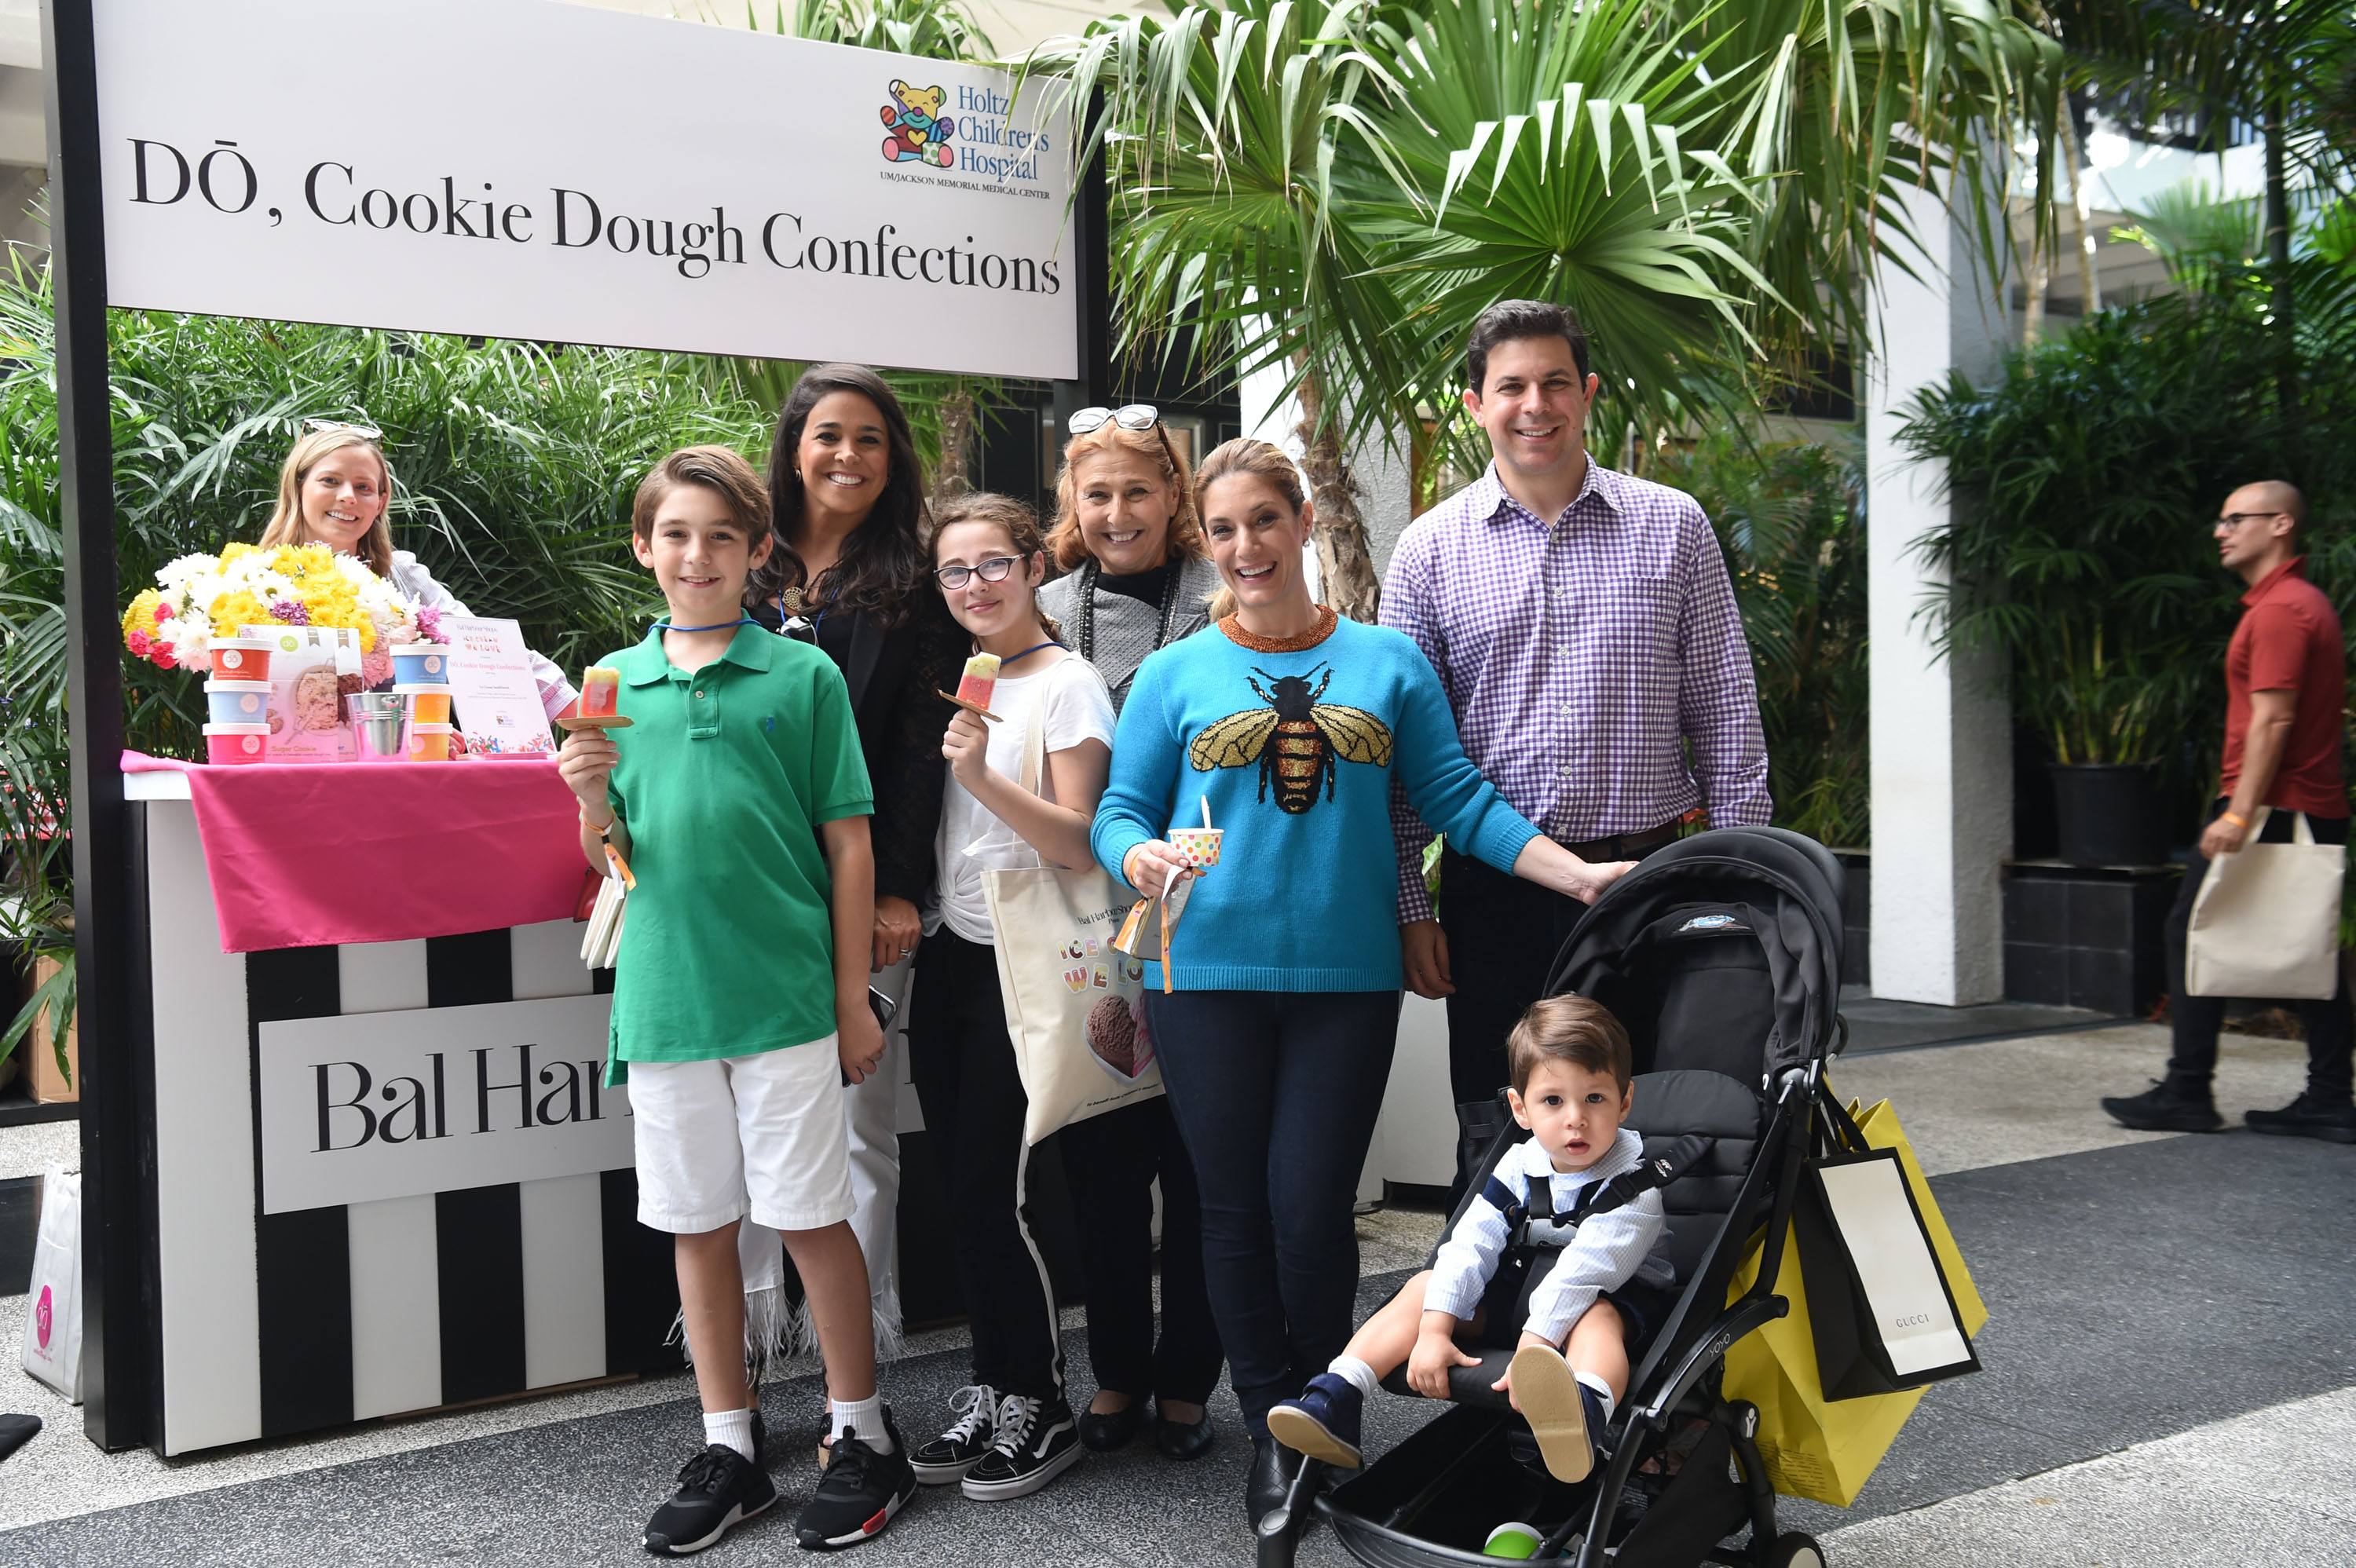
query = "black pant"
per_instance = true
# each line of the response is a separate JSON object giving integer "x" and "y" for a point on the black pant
{"x": 963, "y": 1062}
{"x": 1277, "y": 1094}
{"x": 2193, "y": 1022}
{"x": 1503, "y": 935}
{"x": 1110, "y": 1162}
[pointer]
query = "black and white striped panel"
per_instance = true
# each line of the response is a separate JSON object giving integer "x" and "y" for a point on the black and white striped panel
{"x": 446, "y": 1298}
{"x": 276, "y": 1323}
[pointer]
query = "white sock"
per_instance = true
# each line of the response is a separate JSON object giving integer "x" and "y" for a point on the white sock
{"x": 1356, "y": 1373}
{"x": 1602, "y": 1392}
{"x": 733, "y": 1427}
{"x": 863, "y": 1417}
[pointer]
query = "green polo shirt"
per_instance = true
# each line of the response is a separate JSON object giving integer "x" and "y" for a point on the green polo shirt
{"x": 724, "y": 776}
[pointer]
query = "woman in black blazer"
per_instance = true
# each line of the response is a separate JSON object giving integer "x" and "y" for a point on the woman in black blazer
{"x": 850, "y": 574}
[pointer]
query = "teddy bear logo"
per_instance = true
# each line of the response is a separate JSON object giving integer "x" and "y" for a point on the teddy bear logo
{"x": 919, "y": 131}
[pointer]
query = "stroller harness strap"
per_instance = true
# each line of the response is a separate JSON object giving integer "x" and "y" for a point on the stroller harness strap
{"x": 1534, "y": 1222}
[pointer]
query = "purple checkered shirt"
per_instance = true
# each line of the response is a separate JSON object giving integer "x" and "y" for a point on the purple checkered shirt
{"x": 1578, "y": 656}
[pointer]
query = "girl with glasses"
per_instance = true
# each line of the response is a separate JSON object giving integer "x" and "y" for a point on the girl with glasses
{"x": 1012, "y": 1430}
{"x": 1126, "y": 533}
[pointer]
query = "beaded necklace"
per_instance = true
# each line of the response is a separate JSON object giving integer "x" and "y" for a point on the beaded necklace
{"x": 1087, "y": 597}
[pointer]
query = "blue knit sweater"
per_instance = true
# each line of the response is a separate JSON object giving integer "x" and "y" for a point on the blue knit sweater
{"x": 1297, "y": 752}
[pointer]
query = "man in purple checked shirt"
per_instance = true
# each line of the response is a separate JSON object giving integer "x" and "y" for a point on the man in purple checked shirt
{"x": 1584, "y": 627}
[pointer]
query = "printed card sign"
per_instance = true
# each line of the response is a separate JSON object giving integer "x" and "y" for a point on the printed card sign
{"x": 312, "y": 670}
{"x": 560, "y": 173}
{"x": 371, "y": 1105}
{"x": 492, "y": 684}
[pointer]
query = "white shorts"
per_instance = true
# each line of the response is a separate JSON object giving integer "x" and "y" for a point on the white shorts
{"x": 757, "y": 1136}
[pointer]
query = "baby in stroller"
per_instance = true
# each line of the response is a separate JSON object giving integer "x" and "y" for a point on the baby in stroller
{"x": 1554, "y": 1258}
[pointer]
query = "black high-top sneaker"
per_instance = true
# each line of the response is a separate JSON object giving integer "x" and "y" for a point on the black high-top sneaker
{"x": 1037, "y": 1440}
{"x": 949, "y": 1457}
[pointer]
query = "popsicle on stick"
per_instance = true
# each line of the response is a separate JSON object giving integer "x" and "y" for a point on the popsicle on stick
{"x": 601, "y": 691}
{"x": 975, "y": 686}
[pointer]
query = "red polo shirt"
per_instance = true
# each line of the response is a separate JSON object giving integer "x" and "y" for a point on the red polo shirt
{"x": 2289, "y": 641}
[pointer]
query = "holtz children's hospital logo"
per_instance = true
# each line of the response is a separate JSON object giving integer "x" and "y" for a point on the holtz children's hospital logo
{"x": 920, "y": 133}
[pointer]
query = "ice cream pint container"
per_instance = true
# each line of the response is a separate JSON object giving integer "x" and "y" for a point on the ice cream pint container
{"x": 237, "y": 701}
{"x": 1200, "y": 846}
{"x": 421, "y": 664}
{"x": 427, "y": 704}
{"x": 229, "y": 745}
{"x": 429, "y": 742}
{"x": 241, "y": 658}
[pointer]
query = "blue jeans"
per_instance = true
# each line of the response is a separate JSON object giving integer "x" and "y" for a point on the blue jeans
{"x": 1276, "y": 1096}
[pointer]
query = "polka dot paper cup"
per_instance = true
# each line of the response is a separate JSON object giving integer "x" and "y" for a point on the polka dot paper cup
{"x": 1200, "y": 846}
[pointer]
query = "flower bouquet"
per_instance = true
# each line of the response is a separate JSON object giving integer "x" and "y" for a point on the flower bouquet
{"x": 199, "y": 597}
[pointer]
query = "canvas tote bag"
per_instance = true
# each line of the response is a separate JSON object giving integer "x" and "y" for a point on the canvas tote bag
{"x": 2265, "y": 924}
{"x": 1074, "y": 1005}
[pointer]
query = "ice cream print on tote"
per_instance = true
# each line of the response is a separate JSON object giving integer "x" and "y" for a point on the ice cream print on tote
{"x": 1297, "y": 740}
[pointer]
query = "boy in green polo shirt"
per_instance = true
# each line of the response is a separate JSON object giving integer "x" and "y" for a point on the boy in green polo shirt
{"x": 740, "y": 1001}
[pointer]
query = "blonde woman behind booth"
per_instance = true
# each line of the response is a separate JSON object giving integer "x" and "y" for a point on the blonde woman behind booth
{"x": 333, "y": 490}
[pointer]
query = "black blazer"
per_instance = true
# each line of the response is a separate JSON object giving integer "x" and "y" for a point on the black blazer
{"x": 895, "y": 679}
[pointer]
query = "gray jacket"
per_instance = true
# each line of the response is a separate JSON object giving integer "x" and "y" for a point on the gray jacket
{"x": 1126, "y": 630}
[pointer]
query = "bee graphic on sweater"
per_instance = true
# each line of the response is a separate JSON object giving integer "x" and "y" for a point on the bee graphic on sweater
{"x": 1296, "y": 739}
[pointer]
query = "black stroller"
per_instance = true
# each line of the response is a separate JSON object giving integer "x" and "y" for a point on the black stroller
{"x": 1722, "y": 957}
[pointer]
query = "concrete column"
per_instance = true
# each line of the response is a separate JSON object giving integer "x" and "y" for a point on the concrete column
{"x": 1941, "y": 739}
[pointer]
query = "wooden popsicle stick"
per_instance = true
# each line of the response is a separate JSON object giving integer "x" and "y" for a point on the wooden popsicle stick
{"x": 973, "y": 707}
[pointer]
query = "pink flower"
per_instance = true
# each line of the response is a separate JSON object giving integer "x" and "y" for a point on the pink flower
{"x": 429, "y": 625}
{"x": 140, "y": 644}
{"x": 163, "y": 659}
{"x": 163, "y": 610}
{"x": 291, "y": 612}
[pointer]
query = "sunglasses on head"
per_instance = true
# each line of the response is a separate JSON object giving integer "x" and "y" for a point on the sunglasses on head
{"x": 1129, "y": 416}
{"x": 370, "y": 430}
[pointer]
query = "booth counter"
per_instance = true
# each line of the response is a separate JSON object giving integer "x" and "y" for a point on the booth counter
{"x": 383, "y": 1174}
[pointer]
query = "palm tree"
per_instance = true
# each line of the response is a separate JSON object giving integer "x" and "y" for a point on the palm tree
{"x": 1338, "y": 186}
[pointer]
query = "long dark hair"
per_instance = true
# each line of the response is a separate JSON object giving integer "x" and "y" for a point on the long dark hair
{"x": 883, "y": 563}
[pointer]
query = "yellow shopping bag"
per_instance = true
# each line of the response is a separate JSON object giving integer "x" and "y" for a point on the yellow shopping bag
{"x": 1814, "y": 1447}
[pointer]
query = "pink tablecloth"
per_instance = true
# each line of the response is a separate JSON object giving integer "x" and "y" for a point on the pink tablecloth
{"x": 314, "y": 854}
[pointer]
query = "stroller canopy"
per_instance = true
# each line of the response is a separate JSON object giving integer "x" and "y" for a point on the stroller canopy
{"x": 1780, "y": 889}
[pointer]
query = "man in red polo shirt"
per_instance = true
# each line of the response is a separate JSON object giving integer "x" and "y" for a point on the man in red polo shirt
{"x": 2286, "y": 698}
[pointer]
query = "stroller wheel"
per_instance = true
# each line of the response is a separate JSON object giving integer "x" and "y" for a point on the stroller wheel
{"x": 1794, "y": 1550}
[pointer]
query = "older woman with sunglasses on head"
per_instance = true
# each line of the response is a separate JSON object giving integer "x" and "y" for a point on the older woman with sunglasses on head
{"x": 1127, "y": 535}
{"x": 333, "y": 489}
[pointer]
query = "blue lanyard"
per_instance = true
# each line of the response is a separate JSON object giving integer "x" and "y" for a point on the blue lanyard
{"x": 665, "y": 625}
{"x": 1027, "y": 653}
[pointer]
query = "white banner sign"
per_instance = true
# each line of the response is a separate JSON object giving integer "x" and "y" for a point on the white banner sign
{"x": 371, "y": 1105}
{"x": 521, "y": 168}
{"x": 500, "y": 707}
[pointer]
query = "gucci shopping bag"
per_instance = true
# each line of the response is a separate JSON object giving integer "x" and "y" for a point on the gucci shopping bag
{"x": 1074, "y": 1004}
{"x": 2265, "y": 922}
{"x": 53, "y": 1302}
{"x": 1815, "y": 1447}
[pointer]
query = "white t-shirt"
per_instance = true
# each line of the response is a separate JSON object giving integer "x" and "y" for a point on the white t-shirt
{"x": 1069, "y": 698}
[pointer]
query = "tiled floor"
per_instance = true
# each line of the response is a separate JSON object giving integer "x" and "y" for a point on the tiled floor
{"x": 2169, "y": 1379}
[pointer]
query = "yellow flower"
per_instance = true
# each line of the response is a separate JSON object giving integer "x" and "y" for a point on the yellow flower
{"x": 231, "y": 552}
{"x": 236, "y": 608}
{"x": 141, "y": 616}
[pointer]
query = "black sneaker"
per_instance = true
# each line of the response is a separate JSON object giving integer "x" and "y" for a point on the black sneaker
{"x": 717, "y": 1490}
{"x": 1037, "y": 1440}
{"x": 949, "y": 1457}
{"x": 858, "y": 1494}
{"x": 2163, "y": 1108}
{"x": 2307, "y": 1117}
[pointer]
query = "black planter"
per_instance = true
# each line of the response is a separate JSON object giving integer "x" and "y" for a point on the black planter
{"x": 2109, "y": 813}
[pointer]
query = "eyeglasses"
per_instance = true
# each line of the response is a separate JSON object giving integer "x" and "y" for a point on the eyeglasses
{"x": 1129, "y": 416}
{"x": 2232, "y": 521}
{"x": 995, "y": 569}
{"x": 370, "y": 430}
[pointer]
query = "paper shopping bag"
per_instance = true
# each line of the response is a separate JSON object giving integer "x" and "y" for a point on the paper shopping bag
{"x": 1814, "y": 1447}
{"x": 53, "y": 1302}
{"x": 1074, "y": 1004}
{"x": 2265, "y": 922}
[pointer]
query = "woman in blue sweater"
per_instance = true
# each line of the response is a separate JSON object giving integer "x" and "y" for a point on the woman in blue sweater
{"x": 1276, "y": 1041}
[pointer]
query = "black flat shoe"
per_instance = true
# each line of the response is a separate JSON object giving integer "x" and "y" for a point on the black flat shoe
{"x": 1273, "y": 1466}
{"x": 1103, "y": 1434}
{"x": 1183, "y": 1440}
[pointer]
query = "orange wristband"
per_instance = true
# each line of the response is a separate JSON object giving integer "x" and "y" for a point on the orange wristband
{"x": 2237, "y": 818}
